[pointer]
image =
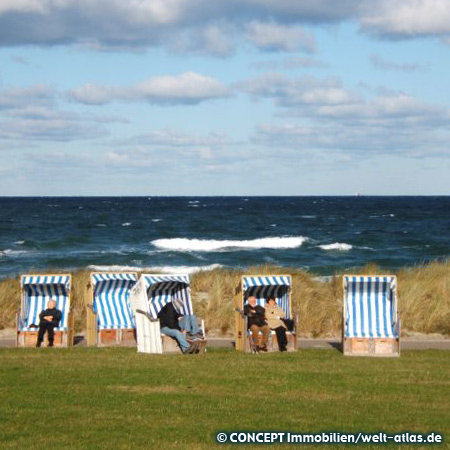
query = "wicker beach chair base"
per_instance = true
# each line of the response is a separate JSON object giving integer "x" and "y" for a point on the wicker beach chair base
{"x": 371, "y": 347}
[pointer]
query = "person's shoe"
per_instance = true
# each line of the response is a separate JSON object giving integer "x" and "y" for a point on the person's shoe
{"x": 38, "y": 344}
{"x": 50, "y": 344}
{"x": 262, "y": 348}
{"x": 283, "y": 349}
{"x": 192, "y": 348}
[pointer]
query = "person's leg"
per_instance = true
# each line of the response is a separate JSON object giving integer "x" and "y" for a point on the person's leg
{"x": 178, "y": 336}
{"x": 255, "y": 334}
{"x": 281, "y": 338}
{"x": 265, "y": 331}
{"x": 51, "y": 334}
{"x": 190, "y": 324}
{"x": 41, "y": 332}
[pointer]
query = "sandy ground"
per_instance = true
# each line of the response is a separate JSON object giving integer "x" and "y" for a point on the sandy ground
{"x": 415, "y": 341}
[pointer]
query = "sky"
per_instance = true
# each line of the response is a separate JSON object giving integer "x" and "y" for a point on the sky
{"x": 224, "y": 97}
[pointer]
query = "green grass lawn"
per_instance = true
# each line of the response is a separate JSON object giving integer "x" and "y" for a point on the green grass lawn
{"x": 114, "y": 398}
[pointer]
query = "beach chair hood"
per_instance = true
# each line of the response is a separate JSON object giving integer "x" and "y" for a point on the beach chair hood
{"x": 263, "y": 287}
{"x": 371, "y": 307}
{"x": 153, "y": 292}
{"x": 111, "y": 299}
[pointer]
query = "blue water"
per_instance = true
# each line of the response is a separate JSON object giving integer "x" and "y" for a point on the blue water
{"x": 321, "y": 234}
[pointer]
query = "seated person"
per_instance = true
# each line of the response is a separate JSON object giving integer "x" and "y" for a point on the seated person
{"x": 168, "y": 319}
{"x": 256, "y": 323}
{"x": 274, "y": 314}
{"x": 48, "y": 320}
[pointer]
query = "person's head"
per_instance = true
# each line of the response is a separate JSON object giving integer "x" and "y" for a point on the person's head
{"x": 271, "y": 301}
{"x": 51, "y": 303}
{"x": 252, "y": 300}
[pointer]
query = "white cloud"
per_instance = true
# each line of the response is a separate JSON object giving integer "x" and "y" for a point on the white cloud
{"x": 205, "y": 26}
{"x": 275, "y": 37}
{"x": 407, "y": 18}
{"x": 385, "y": 64}
{"x": 186, "y": 88}
{"x": 302, "y": 91}
{"x": 12, "y": 98}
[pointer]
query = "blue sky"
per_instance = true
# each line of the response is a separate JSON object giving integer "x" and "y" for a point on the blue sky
{"x": 224, "y": 97}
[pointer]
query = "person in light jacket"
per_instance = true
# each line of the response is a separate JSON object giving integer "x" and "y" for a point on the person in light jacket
{"x": 274, "y": 314}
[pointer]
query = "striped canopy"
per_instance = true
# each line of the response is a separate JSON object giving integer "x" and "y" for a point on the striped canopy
{"x": 263, "y": 287}
{"x": 111, "y": 292}
{"x": 370, "y": 307}
{"x": 37, "y": 290}
{"x": 163, "y": 289}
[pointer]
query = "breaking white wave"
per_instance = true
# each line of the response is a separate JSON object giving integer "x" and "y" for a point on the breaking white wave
{"x": 156, "y": 220}
{"x": 126, "y": 224}
{"x": 19, "y": 242}
{"x": 158, "y": 269}
{"x": 9, "y": 252}
{"x": 211, "y": 245}
{"x": 337, "y": 246}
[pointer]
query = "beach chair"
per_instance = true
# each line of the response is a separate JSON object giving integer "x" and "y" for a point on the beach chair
{"x": 371, "y": 325}
{"x": 148, "y": 297}
{"x": 262, "y": 287}
{"x": 36, "y": 291}
{"x": 108, "y": 314}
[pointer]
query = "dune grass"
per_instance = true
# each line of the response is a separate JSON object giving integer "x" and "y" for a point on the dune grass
{"x": 424, "y": 294}
{"x": 114, "y": 398}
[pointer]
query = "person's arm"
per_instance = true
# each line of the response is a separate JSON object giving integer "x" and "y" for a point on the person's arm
{"x": 57, "y": 316}
{"x": 260, "y": 313}
{"x": 281, "y": 313}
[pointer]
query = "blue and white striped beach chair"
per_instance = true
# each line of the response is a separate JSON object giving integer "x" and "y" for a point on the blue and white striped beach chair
{"x": 37, "y": 291}
{"x": 370, "y": 316}
{"x": 149, "y": 296}
{"x": 262, "y": 287}
{"x": 109, "y": 318}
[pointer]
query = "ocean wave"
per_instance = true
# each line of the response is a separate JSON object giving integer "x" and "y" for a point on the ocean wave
{"x": 162, "y": 269}
{"x": 19, "y": 242}
{"x": 126, "y": 224}
{"x": 337, "y": 246}
{"x": 211, "y": 245}
{"x": 10, "y": 252}
{"x": 156, "y": 220}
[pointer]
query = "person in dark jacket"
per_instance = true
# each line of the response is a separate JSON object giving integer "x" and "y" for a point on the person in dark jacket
{"x": 257, "y": 323}
{"x": 170, "y": 326}
{"x": 48, "y": 320}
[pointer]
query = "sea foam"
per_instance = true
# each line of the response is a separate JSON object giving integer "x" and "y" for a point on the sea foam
{"x": 337, "y": 246}
{"x": 159, "y": 269}
{"x": 211, "y": 245}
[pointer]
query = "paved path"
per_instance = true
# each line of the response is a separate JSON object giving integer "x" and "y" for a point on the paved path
{"x": 406, "y": 343}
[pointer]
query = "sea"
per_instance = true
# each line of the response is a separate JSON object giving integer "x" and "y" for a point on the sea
{"x": 323, "y": 235}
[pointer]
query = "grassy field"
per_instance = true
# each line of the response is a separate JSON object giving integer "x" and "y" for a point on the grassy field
{"x": 114, "y": 398}
{"x": 424, "y": 298}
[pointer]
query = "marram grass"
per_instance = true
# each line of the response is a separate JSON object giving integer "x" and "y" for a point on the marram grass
{"x": 424, "y": 298}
